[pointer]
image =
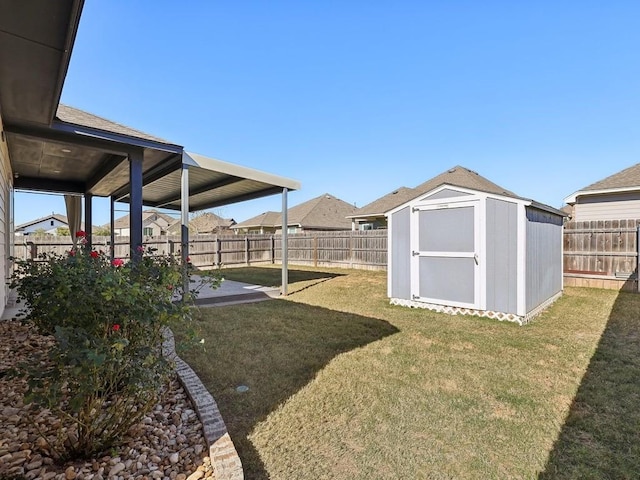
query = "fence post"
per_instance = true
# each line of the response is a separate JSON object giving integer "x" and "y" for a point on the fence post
{"x": 351, "y": 249}
{"x": 246, "y": 249}
{"x": 315, "y": 251}
{"x": 273, "y": 249}
{"x": 33, "y": 250}
{"x": 219, "y": 250}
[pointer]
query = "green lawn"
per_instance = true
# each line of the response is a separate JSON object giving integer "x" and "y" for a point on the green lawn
{"x": 345, "y": 386}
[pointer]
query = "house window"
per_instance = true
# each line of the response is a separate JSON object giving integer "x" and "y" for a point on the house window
{"x": 366, "y": 226}
{"x": 292, "y": 229}
{"x": 52, "y": 223}
{"x": 148, "y": 231}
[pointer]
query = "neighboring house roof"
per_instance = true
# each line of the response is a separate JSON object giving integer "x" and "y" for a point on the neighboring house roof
{"x": 205, "y": 223}
{"x": 79, "y": 117}
{"x": 53, "y": 216}
{"x": 623, "y": 181}
{"x": 385, "y": 203}
{"x": 208, "y": 222}
{"x": 325, "y": 212}
{"x": 266, "y": 219}
{"x": 123, "y": 222}
{"x": 457, "y": 176}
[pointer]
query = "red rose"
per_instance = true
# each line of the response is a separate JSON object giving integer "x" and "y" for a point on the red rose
{"x": 94, "y": 254}
{"x": 81, "y": 233}
{"x": 72, "y": 253}
{"x": 116, "y": 327}
{"x": 118, "y": 262}
{"x": 188, "y": 259}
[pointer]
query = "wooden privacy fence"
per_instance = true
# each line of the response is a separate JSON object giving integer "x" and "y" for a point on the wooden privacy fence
{"x": 601, "y": 254}
{"x": 367, "y": 250}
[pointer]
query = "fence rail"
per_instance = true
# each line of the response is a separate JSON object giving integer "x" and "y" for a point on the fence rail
{"x": 366, "y": 250}
{"x": 597, "y": 254}
{"x": 602, "y": 253}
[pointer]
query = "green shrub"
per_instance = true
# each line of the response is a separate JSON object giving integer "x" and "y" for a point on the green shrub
{"x": 106, "y": 368}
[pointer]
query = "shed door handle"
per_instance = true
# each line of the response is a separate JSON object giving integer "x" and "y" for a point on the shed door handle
{"x": 475, "y": 257}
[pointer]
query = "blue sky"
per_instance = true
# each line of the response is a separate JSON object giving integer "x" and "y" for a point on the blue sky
{"x": 356, "y": 98}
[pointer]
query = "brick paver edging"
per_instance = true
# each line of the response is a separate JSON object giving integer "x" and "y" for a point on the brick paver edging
{"x": 224, "y": 457}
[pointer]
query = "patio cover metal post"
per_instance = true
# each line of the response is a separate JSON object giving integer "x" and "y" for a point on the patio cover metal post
{"x": 112, "y": 233}
{"x": 285, "y": 245}
{"x": 88, "y": 221}
{"x": 184, "y": 227}
{"x": 135, "y": 205}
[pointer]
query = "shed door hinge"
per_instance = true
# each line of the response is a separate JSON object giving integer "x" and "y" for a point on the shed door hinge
{"x": 415, "y": 209}
{"x": 414, "y": 253}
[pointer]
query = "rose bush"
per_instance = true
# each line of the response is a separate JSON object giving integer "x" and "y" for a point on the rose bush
{"x": 106, "y": 369}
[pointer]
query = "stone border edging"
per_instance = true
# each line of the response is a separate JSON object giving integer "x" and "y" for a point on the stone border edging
{"x": 224, "y": 457}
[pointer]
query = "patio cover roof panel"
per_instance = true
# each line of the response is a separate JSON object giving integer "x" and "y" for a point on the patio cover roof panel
{"x": 212, "y": 183}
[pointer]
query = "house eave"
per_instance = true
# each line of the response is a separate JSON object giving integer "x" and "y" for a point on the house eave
{"x": 573, "y": 198}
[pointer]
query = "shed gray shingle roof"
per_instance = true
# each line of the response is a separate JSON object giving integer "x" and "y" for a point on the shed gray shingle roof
{"x": 463, "y": 177}
{"x": 79, "y": 117}
{"x": 457, "y": 176}
{"x": 627, "y": 178}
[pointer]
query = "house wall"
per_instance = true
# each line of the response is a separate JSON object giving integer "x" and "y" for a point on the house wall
{"x": 607, "y": 207}
{"x": 543, "y": 257}
{"x": 502, "y": 256}
{"x": 400, "y": 273}
{"x": 44, "y": 225}
{"x": 6, "y": 217}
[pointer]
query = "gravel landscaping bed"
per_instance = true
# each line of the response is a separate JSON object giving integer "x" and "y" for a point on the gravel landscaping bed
{"x": 168, "y": 444}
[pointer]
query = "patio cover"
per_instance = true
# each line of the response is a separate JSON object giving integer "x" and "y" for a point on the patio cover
{"x": 212, "y": 183}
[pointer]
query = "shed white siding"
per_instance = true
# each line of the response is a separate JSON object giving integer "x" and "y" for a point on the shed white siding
{"x": 502, "y": 256}
{"x": 544, "y": 257}
{"x": 400, "y": 236}
{"x": 607, "y": 207}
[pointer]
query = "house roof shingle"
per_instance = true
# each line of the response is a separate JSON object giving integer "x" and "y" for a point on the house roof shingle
{"x": 207, "y": 222}
{"x": 53, "y": 216}
{"x": 457, "y": 176}
{"x": 324, "y": 212}
{"x": 123, "y": 222}
{"x": 385, "y": 203}
{"x": 79, "y": 117}
{"x": 627, "y": 178}
{"x": 266, "y": 219}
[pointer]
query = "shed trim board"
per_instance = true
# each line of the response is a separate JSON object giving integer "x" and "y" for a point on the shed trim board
{"x": 521, "y": 308}
{"x": 431, "y": 251}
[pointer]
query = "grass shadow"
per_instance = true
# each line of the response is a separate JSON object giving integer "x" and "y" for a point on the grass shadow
{"x": 272, "y": 277}
{"x": 275, "y": 349}
{"x": 601, "y": 434}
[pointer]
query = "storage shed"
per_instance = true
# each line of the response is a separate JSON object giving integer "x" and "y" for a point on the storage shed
{"x": 465, "y": 245}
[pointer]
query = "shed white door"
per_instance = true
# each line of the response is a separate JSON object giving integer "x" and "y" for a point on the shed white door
{"x": 445, "y": 263}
